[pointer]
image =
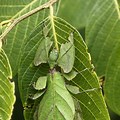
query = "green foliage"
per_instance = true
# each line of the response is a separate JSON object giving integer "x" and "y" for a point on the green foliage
{"x": 76, "y": 12}
{"x": 103, "y": 39}
{"x": 42, "y": 52}
{"x": 16, "y": 37}
{"x": 7, "y": 97}
{"x": 55, "y": 74}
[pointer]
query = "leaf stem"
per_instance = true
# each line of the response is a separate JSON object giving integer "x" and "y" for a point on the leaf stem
{"x": 53, "y": 27}
{"x": 5, "y": 22}
{"x": 14, "y": 22}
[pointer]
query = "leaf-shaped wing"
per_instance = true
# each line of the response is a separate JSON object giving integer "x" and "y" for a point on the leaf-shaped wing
{"x": 57, "y": 100}
{"x": 7, "y": 97}
{"x": 67, "y": 56}
{"x": 42, "y": 52}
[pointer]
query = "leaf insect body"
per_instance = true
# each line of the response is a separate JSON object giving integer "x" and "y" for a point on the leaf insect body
{"x": 57, "y": 99}
{"x": 56, "y": 88}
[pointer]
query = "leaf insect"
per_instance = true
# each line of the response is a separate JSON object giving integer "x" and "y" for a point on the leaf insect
{"x": 57, "y": 99}
{"x": 56, "y": 92}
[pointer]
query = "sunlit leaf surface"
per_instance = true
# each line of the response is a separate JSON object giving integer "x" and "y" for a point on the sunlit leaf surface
{"x": 7, "y": 97}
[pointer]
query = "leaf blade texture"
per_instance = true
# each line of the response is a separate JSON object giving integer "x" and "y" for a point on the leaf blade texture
{"x": 102, "y": 37}
{"x": 7, "y": 97}
{"x": 80, "y": 10}
{"x": 17, "y": 36}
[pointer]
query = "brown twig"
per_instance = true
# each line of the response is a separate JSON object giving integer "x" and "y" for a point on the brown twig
{"x": 14, "y": 22}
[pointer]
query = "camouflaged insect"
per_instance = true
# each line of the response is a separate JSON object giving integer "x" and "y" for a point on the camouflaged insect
{"x": 56, "y": 98}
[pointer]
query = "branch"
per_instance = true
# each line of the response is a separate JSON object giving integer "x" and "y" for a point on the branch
{"x": 14, "y": 22}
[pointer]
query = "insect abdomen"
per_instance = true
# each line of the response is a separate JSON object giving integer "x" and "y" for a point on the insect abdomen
{"x": 57, "y": 103}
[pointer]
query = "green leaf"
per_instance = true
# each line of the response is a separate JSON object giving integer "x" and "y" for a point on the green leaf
{"x": 29, "y": 73}
{"x": 41, "y": 83}
{"x": 112, "y": 82}
{"x": 103, "y": 39}
{"x": 42, "y": 51}
{"x": 57, "y": 100}
{"x": 7, "y": 98}
{"x": 16, "y": 38}
{"x": 102, "y": 34}
{"x": 77, "y": 11}
{"x": 91, "y": 102}
{"x": 67, "y": 55}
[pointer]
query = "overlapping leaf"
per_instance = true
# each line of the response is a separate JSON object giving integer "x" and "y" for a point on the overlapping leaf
{"x": 103, "y": 39}
{"x": 7, "y": 97}
{"x": 16, "y": 38}
{"x": 92, "y": 103}
{"x": 76, "y": 12}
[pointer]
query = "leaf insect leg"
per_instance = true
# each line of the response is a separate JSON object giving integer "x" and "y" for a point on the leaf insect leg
{"x": 75, "y": 89}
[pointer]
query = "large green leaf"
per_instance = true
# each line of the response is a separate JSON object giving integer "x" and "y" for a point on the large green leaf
{"x": 103, "y": 39}
{"x": 15, "y": 39}
{"x": 112, "y": 83}
{"x": 76, "y": 12}
{"x": 7, "y": 97}
{"x": 92, "y": 103}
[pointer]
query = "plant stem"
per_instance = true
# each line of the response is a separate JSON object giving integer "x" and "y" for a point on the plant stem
{"x": 53, "y": 27}
{"x": 14, "y": 22}
{"x": 5, "y": 22}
